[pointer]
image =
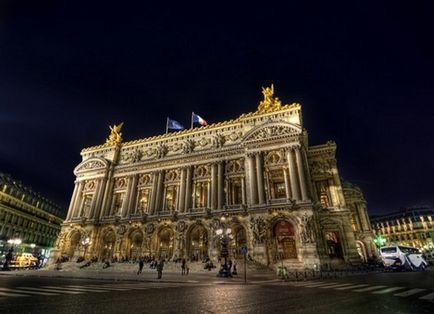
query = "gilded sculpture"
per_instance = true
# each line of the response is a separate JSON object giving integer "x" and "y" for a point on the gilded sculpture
{"x": 115, "y": 136}
{"x": 270, "y": 103}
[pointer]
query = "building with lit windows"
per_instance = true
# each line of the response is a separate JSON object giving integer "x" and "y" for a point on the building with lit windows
{"x": 411, "y": 226}
{"x": 256, "y": 176}
{"x": 26, "y": 218}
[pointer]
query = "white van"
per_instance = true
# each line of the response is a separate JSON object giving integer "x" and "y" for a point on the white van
{"x": 402, "y": 257}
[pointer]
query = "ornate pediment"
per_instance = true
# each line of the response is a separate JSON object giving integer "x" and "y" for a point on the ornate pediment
{"x": 272, "y": 130}
{"x": 91, "y": 164}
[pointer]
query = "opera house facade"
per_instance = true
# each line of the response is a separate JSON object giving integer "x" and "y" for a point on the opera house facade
{"x": 255, "y": 177}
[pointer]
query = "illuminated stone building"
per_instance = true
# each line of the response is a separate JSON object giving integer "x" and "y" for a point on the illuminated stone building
{"x": 27, "y": 216}
{"x": 167, "y": 195}
{"x": 412, "y": 226}
{"x": 356, "y": 203}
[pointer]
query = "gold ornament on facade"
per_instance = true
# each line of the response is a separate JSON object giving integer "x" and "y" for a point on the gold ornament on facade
{"x": 115, "y": 136}
{"x": 270, "y": 103}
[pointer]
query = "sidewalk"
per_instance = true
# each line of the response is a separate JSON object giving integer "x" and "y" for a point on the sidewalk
{"x": 128, "y": 272}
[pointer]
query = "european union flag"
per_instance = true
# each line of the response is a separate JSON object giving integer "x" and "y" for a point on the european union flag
{"x": 174, "y": 125}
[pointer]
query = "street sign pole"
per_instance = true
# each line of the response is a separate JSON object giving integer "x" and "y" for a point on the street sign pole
{"x": 245, "y": 267}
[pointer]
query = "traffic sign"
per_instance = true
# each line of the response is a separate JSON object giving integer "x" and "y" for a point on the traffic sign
{"x": 243, "y": 249}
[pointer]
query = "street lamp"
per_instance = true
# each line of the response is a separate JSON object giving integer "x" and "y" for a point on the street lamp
{"x": 225, "y": 234}
{"x": 86, "y": 242}
{"x": 15, "y": 241}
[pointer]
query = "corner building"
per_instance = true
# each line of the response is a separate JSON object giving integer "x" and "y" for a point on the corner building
{"x": 167, "y": 195}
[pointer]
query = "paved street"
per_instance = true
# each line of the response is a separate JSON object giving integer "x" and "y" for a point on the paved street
{"x": 372, "y": 293}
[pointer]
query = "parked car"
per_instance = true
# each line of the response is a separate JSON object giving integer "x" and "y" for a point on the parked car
{"x": 402, "y": 258}
{"x": 23, "y": 260}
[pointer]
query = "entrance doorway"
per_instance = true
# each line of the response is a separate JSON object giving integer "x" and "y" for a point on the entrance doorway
{"x": 198, "y": 243}
{"x": 334, "y": 247}
{"x": 239, "y": 239}
{"x": 165, "y": 243}
{"x": 284, "y": 234}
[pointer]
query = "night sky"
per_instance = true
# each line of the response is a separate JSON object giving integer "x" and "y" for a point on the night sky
{"x": 363, "y": 74}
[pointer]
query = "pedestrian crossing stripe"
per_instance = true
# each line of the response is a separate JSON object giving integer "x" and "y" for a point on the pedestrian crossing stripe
{"x": 409, "y": 292}
{"x": 378, "y": 289}
{"x": 352, "y": 287}
{"x": 49, "y": 290}
{"x": 336, "y": 286}
{"x": 8, "y": 294}
{"x": 27, "y": 292}
{"x": 384, "y": 291}
{"x": 75, "y": 289}
{"x": 369, "y": 288}
{"x": 428, "y": 297}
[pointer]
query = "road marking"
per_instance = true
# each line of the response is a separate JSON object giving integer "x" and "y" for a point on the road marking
{"x": 75, "y": 289}
{"x": 6, "y": 294}
{"x": 308, "y": 283}
{"x": 314, "y": 285}
{"x": 50, "y": 290}
{"x": 428, "y": 297}
{"x": 111, "y": 287}
{"x": 88, "y": 288}
{"x": 409, "y": 292}
{"x": 384, "y": 291}
{"x": 369, "y": 288}
{"x": 352, "y": 287}
{"x": 336, "y": 286}
{"x": 27, "y": 292}
{"x": 320, "y": 285}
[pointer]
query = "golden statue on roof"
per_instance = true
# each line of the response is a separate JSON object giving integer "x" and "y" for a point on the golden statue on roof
{"x": 115, "y": 136}
{"x": 270, "y": 103}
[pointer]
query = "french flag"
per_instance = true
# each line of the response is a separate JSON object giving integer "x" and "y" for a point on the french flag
{"x": 198, "y": 119}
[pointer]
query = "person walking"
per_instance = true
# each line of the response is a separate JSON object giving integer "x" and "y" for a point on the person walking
{"x": 234, "y": 272}
{"x": 183, "y": 264}
{"x": 141, "y": 264}
{"x": 160, "y": 267}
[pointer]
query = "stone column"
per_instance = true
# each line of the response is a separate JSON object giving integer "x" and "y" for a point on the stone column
{"x": 71, "y": 204}
{"x": 295, "y": 192}
{"x": 252, "y": 179}
{"x": 194, "y": 195}
{"x": 133, "y": 196}
{"x": 95, "y": 196}
{"x": 100, "y": 198}
{"x": 220, "y": 182}
{"x": 260, "y": 178}
{"x": 208, "y": 201}
{"x": 126, "y": 200}
{"x": 188, "y": 193}
{"x": 108, "y": 195}
{"x": 181, "y": 195}
{"x": 214, "y": 185}
{"x": 269, "y": 191}
{"x": 164, "y": 206}
{"x": 78, "y": 200}
{"x": 287, "y": 187}
{"x": 363, "y": 219}
{"x": 301, "y": 173}
{"x": 153, "y": 200}
{"x": 243, "y": 191}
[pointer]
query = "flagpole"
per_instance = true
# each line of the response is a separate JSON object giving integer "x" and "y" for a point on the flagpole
{"x": 167, "y": 125}
{"x": 191, "y": 120}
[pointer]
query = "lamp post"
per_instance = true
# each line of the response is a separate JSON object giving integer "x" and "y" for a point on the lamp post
{"x": 225, "y": 235}
{"x": 86, "y": 242}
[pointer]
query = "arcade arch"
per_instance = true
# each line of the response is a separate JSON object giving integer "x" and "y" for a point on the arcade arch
{"x": 197, "y": 243}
